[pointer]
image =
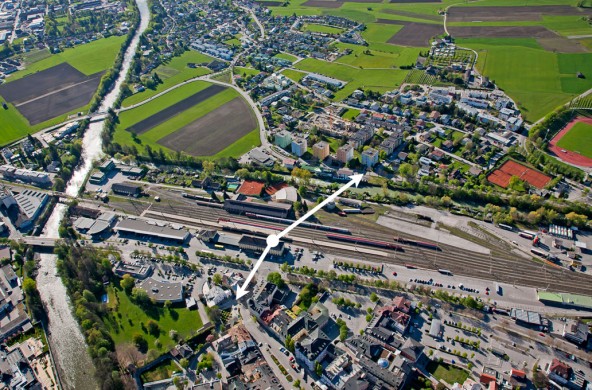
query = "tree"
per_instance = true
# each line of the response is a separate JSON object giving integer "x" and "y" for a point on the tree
{"x": 407, "y": 170}
{"x": 297, "y": 383}
{"x": 127, "y": 283}
{"x": 29, "y": 286}
{"x": 319, "y": 369}
{"x": 140, "y": 342}
{"x": 217, "y": 279}
{"x": 153, "y": 328}
{"x": 276, "y": 278}
{"x": 140, "y": 297}
{"x": 167, "y": 304}
{"x": 289, "y": 344}
{"x": 374, "y": 298}
{"x": 575, "y": 219}
{"x": 184, "y": 363}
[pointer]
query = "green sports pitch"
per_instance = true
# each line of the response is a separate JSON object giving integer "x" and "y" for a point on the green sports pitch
{"x": 578, "y": 139}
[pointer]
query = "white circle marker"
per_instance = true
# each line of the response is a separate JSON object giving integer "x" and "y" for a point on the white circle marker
{"x": 273, "y": 240}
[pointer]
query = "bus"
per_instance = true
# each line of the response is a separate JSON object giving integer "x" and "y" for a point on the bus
{"x": 542, "y": 254}
{"x": 445, "y": 271}
{"x": 219, "y": 246}
{"x": 505, "y": 227}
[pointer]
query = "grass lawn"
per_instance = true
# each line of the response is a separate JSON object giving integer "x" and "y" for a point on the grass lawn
{"x": 151, "y": 137}
{"x": 172, "y": 73}
{"x": 380, "y": 80}
{"x": 286, "y": 56}
{"x": 293, "y": 75}
{"x": 163, "y": 371}
{"x": 89, "y": 58}
{"x": 377, "y": 58}
{"x": 447, "y": 372}
{"x": 320, "y": 28}
{"x": 350, "y": 114}
{"x": 247, "y": 71}
{"x": 128, "y": 319}
{"x": 578, "y": 139}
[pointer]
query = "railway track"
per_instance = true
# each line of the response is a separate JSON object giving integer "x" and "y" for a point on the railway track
{"x": 499, "y": 266}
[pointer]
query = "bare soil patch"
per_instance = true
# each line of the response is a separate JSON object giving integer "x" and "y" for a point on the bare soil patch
{"x": 214, "y": 131}
{"x": 169, "y": 112}
{"x": 413, "y": 34}
{"x": 562, "y": 45}
{"x": 501, "y": 32}
{"x": 51, "y": 92}
{"x": 323, "y": 4}
{"x": 58, "y": 103}
{"x": 518, "y": 13}
{"x": 40, "y": 83}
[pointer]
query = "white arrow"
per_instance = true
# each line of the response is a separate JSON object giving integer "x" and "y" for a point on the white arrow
{"x": 274, "y": 239}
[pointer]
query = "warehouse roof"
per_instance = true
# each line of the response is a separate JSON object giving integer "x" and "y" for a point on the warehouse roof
{"x": 566, "y": 299}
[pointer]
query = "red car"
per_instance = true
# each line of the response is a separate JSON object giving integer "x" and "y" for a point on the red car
{"x": 542, "y": 334}
{"x": 394, "y": 274}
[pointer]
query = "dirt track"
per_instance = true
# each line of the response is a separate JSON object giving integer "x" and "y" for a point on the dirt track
{"x": 169, "y": 112}
{"x": 517, "y": 13}
{"x": 214, "y": 131}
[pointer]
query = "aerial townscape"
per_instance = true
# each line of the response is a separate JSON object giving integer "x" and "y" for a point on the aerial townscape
{"x": 296, "y": 194}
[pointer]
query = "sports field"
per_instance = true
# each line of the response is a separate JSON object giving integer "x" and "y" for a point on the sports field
{"x": 504, "y": 173}
{"x": 573, "y": 144}
{"x": 194, "y": 119}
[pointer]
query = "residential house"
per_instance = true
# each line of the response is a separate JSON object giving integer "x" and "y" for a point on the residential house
{"x": 345, "y": 153}
{"x": 321, "y": 150}
{"x": 299, "y": 146}
{"x": 369, "y": 157}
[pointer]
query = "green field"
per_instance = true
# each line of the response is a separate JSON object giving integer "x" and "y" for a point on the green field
{"x": 448, "y": 373}
{"x": 350, "y": 114}
{"x": 319, "y": 28}
{"x": 90, "y": 58}
{"x": 293, "y": 75}
{"x": 162, "y": 371}
{"x": 151, "y": 137}
{"x": 286, "y": 56}
{"x": 578, "y": 139}
{"x": 172, "y": 73}
{"x": 131, "y": 318}
{"x": 538, "y": 80}
{"x": 246, "y": 71}
{"x": 380, "y": 80}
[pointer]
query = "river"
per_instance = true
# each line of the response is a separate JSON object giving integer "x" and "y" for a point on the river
{"x": 69, "y": 349}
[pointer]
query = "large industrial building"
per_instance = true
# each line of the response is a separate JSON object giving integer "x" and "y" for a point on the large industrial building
{"x": 143, "y": 228}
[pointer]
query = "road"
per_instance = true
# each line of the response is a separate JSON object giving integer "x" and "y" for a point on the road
{"x": 261, "y": 336}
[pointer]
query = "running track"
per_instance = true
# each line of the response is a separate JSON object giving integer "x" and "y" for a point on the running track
{"x": 569, "y": 156}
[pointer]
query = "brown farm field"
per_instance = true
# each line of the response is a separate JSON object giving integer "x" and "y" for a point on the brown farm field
{"x": 513, "y": 13}
{"x": 214, "y": 131}
{"x": 51, "y": 92}
{"x": 169, "y": 112}
{"x": 413, "y": 34}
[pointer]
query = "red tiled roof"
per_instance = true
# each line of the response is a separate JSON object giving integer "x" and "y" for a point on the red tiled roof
{"x": 486, "y": 378}
{"x": 272, "y": 189}
{"x": 518, "y": 373}
{"x": 251, "y": 188}
{"x": 560, "y": 368}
